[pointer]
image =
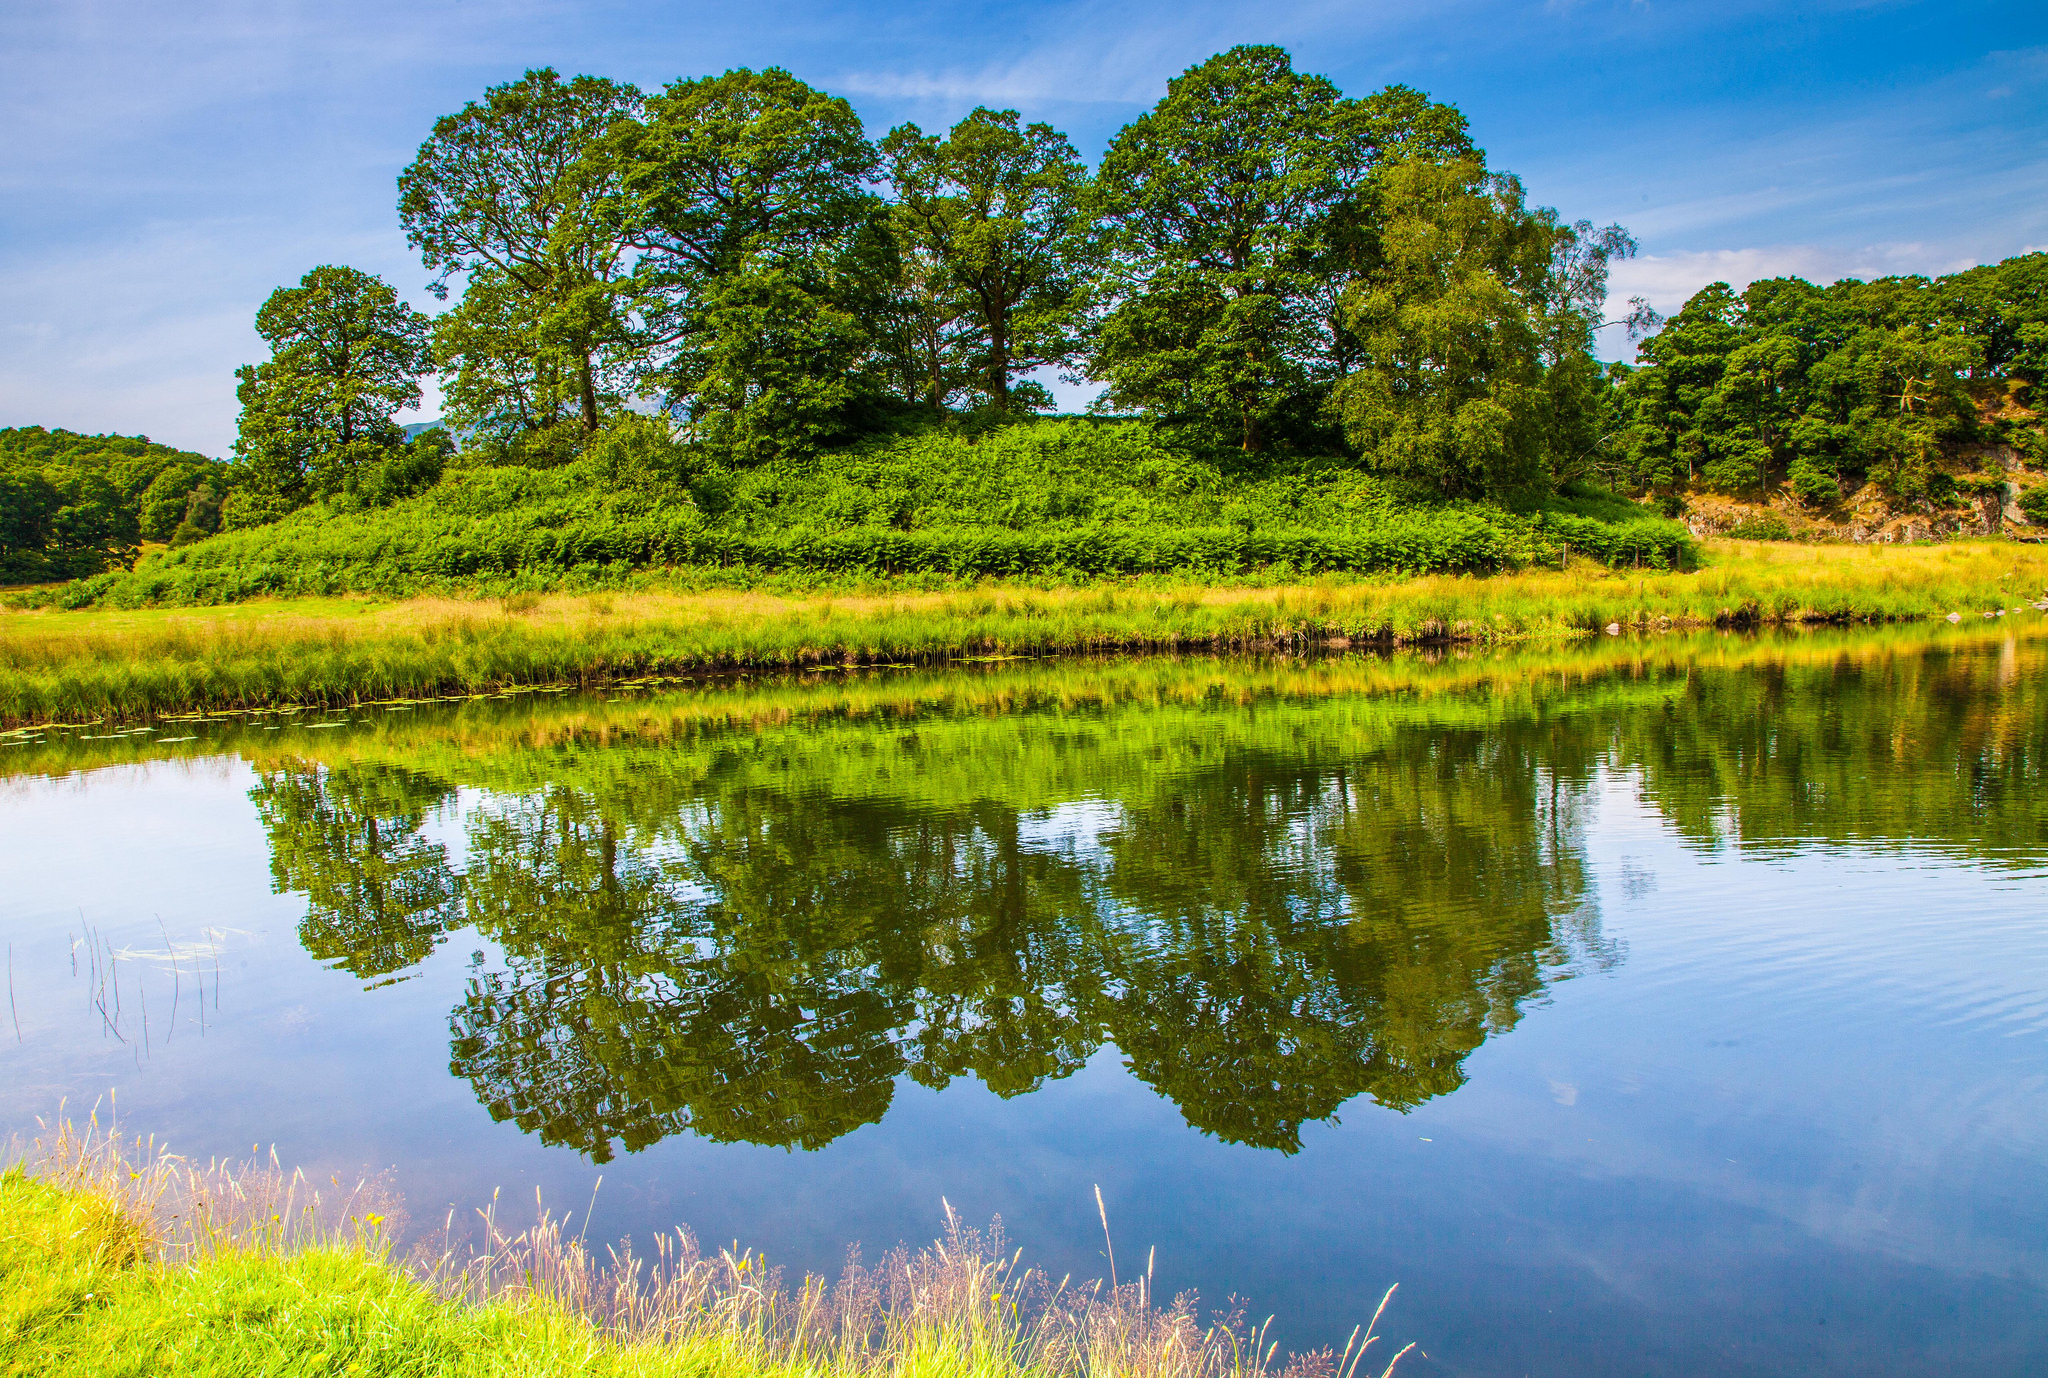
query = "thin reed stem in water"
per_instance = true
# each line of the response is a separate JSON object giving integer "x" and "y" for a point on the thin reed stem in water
{"x": 171, "y": 951}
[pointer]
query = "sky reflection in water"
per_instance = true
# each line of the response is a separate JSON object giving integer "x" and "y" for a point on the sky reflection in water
{"x": 1639, "y": 1009}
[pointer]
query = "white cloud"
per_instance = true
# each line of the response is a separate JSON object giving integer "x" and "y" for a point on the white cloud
{"x": 1666, "y": 280}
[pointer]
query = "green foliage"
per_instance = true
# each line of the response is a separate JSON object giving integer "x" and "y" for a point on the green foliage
{"x": 1234, "y": 213}
{"x": 757, "y": 281}
{"x": 1766, "y": 526}
{"x": 515, "y": 400}
{"x": 72, "y": 505}
{"x": 2034, "y": 502}
{"x": 1068, "y": 499}
{"x": 1450, "y": 397}
{"x": 1813, "y": 479}
{"x": 1829, "y": 387}
{"x": 997, "y": 212}
{"x": 642, "y": 453}
{"x": 402, "y": 472}
{"x": 504, "y": 192}
{"x": 345, "y": 355}
{"x": 775, "y": 369}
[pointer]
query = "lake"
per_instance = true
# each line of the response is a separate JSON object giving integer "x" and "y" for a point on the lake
{"x": 1646, "y": 1006}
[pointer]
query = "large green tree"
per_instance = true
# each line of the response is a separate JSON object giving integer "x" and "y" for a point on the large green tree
{"x": 507, "y": 191}
{"x": 999, "y": 208}
{"x": 345, "y": 355}
{"x": 1474, "y": 327}
{"x": 745, "y": 198}
{"x": 1235, "y": 211}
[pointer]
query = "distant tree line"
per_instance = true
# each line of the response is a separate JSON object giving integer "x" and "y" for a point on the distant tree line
{"x": 71, "y": 505}
{"x": 1260, "y": 262}
{"x": 1820, "y": 389}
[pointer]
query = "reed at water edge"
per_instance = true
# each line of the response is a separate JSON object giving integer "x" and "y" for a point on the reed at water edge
{"x": 117, "y": 1256}
{"x": 111, "y": 664}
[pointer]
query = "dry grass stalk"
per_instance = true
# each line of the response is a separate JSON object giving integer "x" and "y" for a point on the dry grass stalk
{"x": 964, "y": 1304}
{"x": 191, "y": 1211}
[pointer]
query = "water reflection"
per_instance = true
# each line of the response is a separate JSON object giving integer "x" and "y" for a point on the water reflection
{"x": 1271, "y": 891}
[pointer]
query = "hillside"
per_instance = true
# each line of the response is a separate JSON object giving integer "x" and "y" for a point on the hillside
{"x": 71, "y": 504}
{"x": 1058, "y": 498}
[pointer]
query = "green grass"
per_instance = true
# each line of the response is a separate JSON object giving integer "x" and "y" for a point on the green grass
{"x": 118, "y": 1260}
{"x": 109, "y": 663}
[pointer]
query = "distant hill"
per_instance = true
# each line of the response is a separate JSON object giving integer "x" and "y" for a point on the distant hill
{"x": 73, "y": 504}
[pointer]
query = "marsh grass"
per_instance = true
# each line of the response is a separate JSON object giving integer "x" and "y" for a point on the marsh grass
{"x": 99, "y": 665}
{"x": 117, "y": 1256}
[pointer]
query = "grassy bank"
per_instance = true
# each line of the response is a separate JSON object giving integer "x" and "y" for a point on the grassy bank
{"x": 110, "y": 663}
{"x": 118, "y": 1259}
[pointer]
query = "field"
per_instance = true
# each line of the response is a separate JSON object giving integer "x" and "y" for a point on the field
{"x": 118, "y": 663}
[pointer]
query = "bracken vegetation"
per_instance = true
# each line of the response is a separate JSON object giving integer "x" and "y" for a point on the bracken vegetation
{"x": 1065, "y": 500}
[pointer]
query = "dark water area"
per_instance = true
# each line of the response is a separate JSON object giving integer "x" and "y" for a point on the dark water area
{"x": 1666, "y": 1007}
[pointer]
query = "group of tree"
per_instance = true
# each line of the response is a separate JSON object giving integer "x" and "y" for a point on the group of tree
{"x": 1821, "y": 389}
{"x": 71, "y": 505}
{"x": 1261, "y": 262}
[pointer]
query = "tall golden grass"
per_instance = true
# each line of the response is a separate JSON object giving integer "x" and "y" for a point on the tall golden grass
{"x": 57, "y": 666}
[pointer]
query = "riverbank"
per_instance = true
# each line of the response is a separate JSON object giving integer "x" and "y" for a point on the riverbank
{"x": 123, "y": 664}
{"x": 117, "y": 1258}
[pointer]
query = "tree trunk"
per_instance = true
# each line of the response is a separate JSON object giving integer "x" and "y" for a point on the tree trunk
{"x": 589, "y": 396}
{"x": 999, "y": 365}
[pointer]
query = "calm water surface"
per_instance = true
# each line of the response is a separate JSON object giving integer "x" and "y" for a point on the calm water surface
{"x": 1666, "y": 1008}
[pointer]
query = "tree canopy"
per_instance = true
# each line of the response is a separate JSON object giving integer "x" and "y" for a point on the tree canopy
{"x": 999, "y": 209}
{"x": 729, "y": 276}
{"x": 345, "y": 355}
{"x": 72, "y": 505}
{"x": 1823, "y": 388}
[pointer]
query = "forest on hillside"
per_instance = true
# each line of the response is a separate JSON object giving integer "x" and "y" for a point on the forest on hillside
{"x": 714, "y": 322}
{"x": 71, "y": 504}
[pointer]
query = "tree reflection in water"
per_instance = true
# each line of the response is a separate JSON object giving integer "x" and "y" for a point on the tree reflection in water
{"x": 1269, "y": 900}
{"x": 1263, "y": 937}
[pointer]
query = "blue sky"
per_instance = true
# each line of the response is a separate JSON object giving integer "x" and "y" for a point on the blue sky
{"x": 165, "y": 166}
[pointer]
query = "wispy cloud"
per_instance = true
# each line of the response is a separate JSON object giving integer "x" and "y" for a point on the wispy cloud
{"x": 167, "y": 166}
{"x": 143, "y": 333}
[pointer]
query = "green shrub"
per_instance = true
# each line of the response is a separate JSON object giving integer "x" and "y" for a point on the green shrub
{"x": 1814, "y": 482}
{"x": 1761, "y": 526}
{"x": 2034, "y": 502}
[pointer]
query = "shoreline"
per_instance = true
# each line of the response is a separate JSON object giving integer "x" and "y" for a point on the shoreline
{"x": 114, "y": 1251}
{"x": 115, "y": 665}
